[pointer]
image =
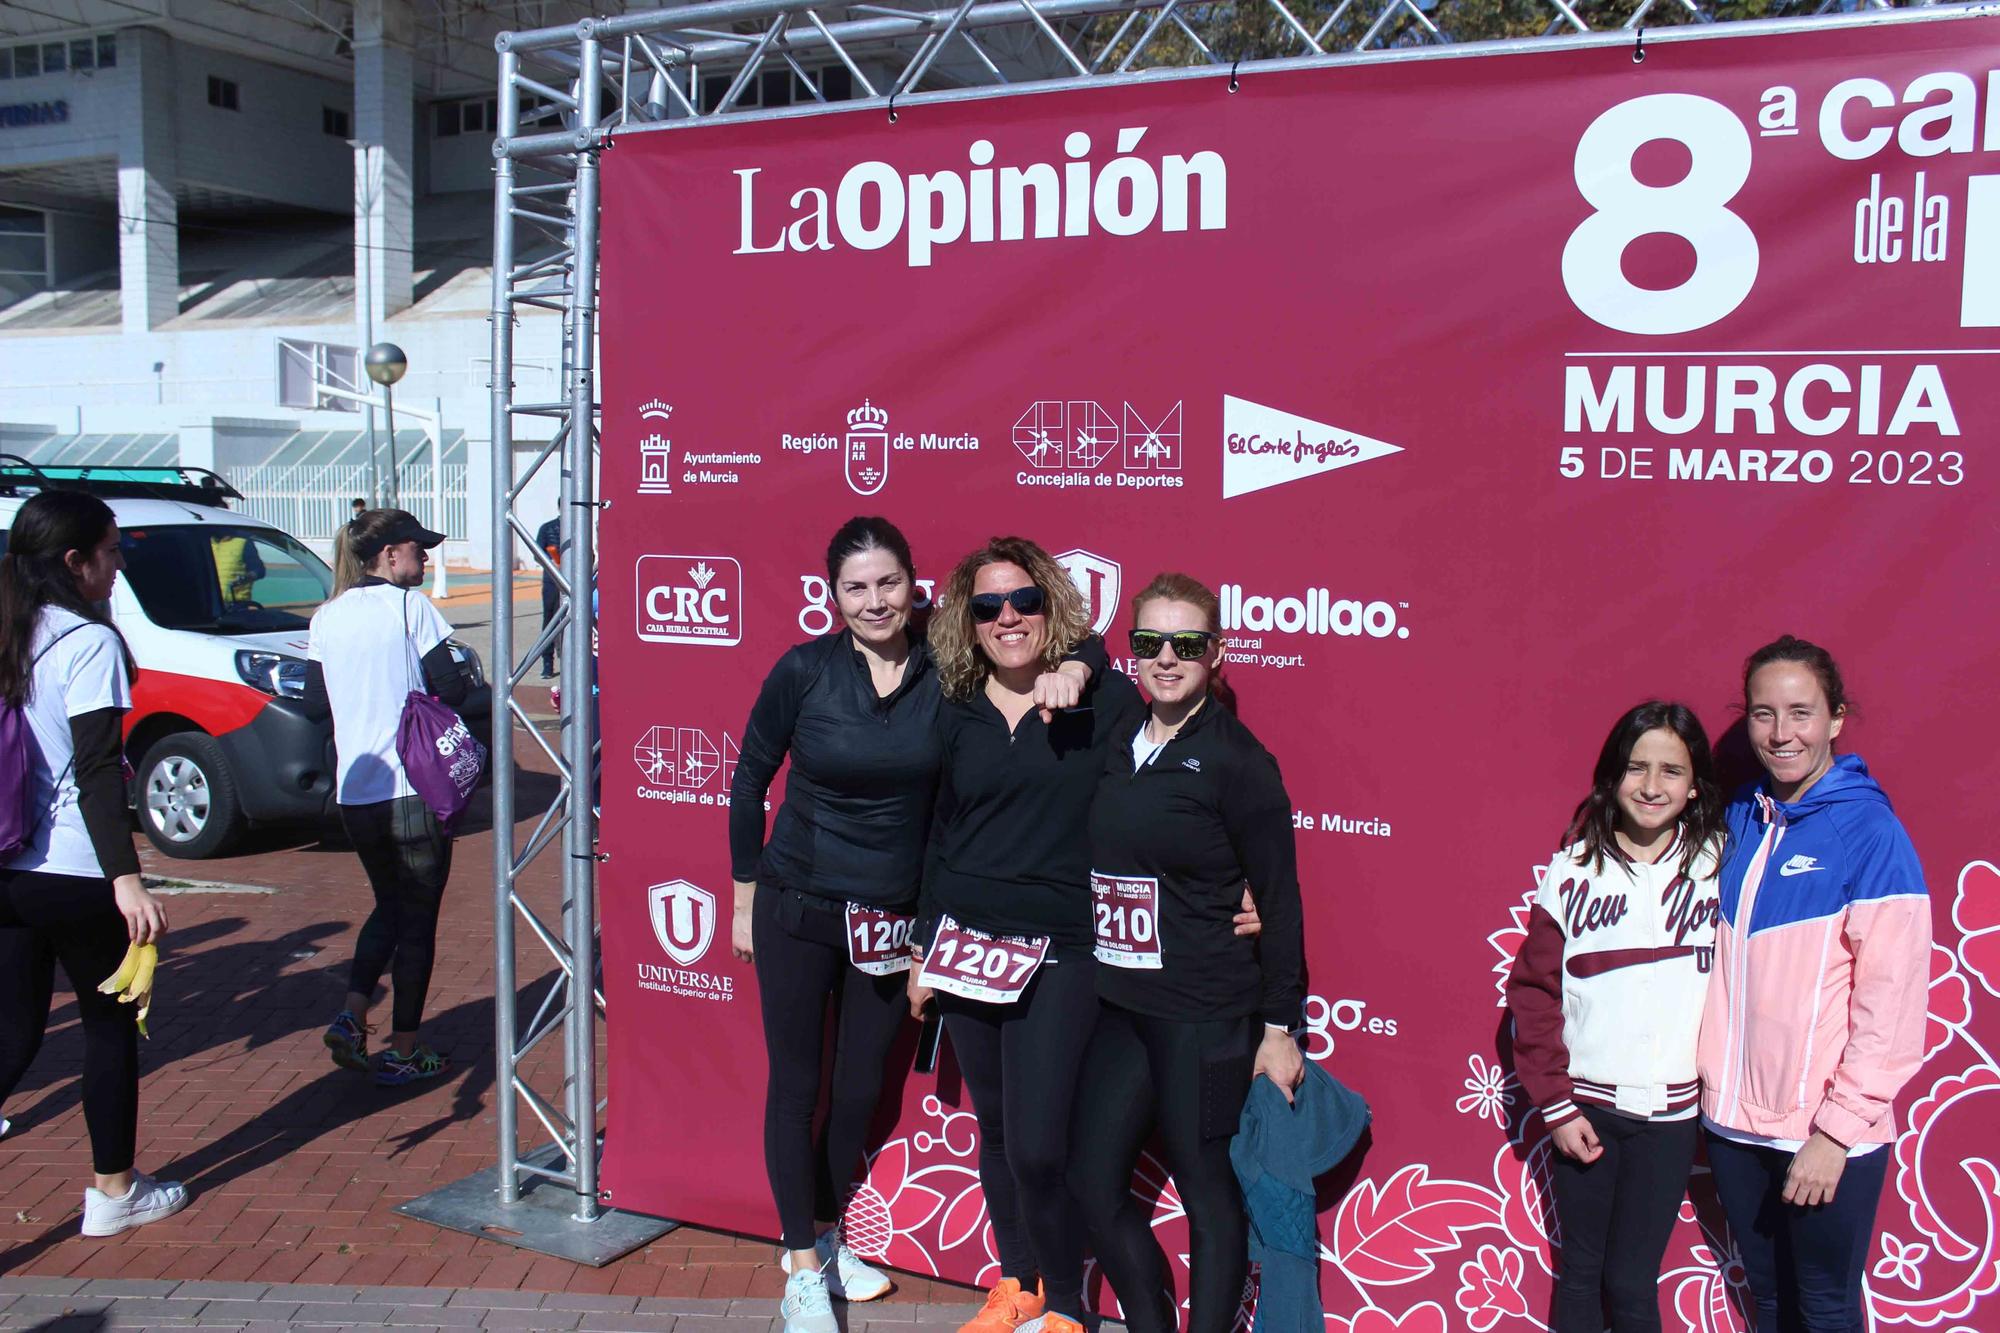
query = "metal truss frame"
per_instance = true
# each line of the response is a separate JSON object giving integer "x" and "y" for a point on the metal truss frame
{"x": 563, "y": 91}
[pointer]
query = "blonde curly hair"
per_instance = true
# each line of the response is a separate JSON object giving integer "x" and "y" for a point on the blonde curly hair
{"x": 962, "y": 666}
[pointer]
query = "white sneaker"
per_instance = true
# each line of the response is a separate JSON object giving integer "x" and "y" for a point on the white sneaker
{"x": 148, "y": 1200}
{"x": 847, "y": 1277}
{"x": 807, "y": 1308}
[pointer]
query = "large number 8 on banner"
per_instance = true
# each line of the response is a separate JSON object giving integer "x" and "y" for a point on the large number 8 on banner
{"x": 1693, "y": 208}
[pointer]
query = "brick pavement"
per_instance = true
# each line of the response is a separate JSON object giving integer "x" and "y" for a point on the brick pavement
{"x": 296, "y": 1166}
{"x": 75, "y": 1305}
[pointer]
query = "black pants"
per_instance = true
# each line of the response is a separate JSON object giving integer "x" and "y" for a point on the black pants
{"x": 1188, "y": 1080}
{"x": 407, "y": 855}
{"x": 1020, "y": 1063}
{"x": 549, "y": 599}
{"x": 1804, "y": 1265}
{"x": 46, "y": 919}
{"x": 1617, "y": 1214}
{"x": 801, "y": 947}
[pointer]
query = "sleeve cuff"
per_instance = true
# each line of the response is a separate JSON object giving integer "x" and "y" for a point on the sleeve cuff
{"x": 1559, "y": 1113}
{"x": 1842, "y": 1125}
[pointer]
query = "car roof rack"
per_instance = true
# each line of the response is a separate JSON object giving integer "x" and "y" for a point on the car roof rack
{"x": 195, "y": 485}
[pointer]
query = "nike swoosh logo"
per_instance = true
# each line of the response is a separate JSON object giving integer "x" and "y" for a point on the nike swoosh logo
{"x": 1789, "y": 870}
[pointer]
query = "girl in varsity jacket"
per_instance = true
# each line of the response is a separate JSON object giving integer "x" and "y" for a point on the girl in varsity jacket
{"x": 1607, "y": 995}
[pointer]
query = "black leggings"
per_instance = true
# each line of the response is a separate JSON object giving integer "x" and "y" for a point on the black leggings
{"x": 1188, "y": 1080}
{"x": 1020, "y": 1063}
{"x": 45, "y": 919}
{"x": 407, "y": 855}
{"x": 801, "y": 958}
{"x": 1617, "y": 1214}
{"x": 1804, "y": 1265}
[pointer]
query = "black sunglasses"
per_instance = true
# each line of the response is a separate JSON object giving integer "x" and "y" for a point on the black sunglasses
{"x": 1190, "y": 645}
{"x": 985, "y": 606}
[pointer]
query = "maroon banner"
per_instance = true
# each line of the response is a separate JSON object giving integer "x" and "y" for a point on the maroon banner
{"x": 1493, "y": 393}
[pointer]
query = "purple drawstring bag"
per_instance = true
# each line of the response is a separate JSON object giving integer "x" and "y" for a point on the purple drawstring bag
{"x": 19, "y": 815}
{"x": 442, "y": 757}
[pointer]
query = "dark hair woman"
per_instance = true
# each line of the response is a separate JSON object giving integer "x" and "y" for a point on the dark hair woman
{"x": 1189, "y": 808}
{"x": 1607, "y": 994}
{"x": 72, "y": 892}
{"x": 1010, "y": 887}
{"x": 370, "y": 646}
{"x": 823, "y": 907}
{"x": 1815, "y": 1020}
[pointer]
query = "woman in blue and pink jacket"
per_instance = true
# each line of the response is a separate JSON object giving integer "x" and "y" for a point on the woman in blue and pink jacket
{"x": 1815, "y": 1015}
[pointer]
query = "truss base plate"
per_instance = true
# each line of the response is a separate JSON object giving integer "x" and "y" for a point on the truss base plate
{"x": 541, "y": 1221}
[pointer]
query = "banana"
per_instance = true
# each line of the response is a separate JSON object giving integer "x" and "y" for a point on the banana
{"x": 145, "y": 1007}
{"x": 116, "y": 983}
{"x": 141, "y": 981}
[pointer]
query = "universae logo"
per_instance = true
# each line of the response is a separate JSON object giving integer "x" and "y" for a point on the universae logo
{"x": 690, "y": 599}
{"x": 683, "y": 917}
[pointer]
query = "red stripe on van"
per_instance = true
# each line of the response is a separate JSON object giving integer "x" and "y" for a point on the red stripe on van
{"x": 216, "y": 706}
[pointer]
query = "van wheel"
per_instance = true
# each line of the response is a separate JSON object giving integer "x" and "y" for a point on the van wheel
{"x": 187, "y": 797}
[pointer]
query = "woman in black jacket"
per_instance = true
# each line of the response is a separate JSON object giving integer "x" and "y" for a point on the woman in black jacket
{"x": 1189, "y": 809}
{"x": 71, "y": 892}
{"x": 824, "y": 906}
{"x": 1006, "y": 926}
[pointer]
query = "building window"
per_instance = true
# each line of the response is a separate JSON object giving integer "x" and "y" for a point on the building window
{"x": 23, "y": 244}
{"x": 107, "y": 50}
{"x": 6, "y": 62}
{"x": 777, "y": 87}
{"x": 54, "y": 58}
{"x": 223, "y": 93}
{"x": 27, "y": 61}
{"x": 334, "y": 121}
{"x": 478, "y": 115}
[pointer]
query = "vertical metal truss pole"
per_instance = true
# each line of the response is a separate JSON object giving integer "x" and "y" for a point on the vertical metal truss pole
{"x": 504, "y": 981}
{"x": 579, "y": 704}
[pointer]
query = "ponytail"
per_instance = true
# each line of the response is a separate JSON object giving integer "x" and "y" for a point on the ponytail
{"x": 347, "y": 569}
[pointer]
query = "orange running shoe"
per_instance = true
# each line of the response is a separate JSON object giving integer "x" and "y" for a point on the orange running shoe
{"x": 1007, "y": 1308}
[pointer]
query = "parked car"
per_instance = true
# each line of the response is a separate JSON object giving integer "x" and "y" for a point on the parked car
{"x": 215, "y": 606}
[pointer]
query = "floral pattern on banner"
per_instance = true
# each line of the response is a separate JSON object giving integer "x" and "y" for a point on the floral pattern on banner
{"x": 1410, "y": 1250}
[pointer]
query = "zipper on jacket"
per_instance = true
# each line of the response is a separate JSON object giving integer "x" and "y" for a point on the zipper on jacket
{"x": 1775, "y": 831}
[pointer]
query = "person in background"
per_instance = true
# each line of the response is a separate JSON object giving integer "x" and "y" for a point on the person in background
{"x": 1607, "y": 993}
{"x": 357, "y": 506}
{"x": 369, "y": 646}
{"x": 549, "y": 538}
{"x": 1815, "y": 1019}
{"x": 238, "y": 566}
{"x": 72, "y": 893}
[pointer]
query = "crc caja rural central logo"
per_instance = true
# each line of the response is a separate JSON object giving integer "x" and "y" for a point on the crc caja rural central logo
{"x": 690, "y": 599}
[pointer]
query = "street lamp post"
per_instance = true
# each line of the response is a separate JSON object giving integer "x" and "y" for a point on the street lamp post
{"x": 386, "y": 364}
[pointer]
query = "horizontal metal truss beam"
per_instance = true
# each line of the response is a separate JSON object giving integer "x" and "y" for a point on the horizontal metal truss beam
{"x": 649, "y": 63}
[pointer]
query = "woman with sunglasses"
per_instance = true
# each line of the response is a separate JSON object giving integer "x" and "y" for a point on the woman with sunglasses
{"x": 823, "y": 905}
{"x": 1189, "y": 809}
{"x": 1005, "y": 926}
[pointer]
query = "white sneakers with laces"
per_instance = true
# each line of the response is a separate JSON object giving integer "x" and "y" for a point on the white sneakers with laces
{"x": 148, "y": 1200}
{"x": 807, "y": 1308}
{"x": 847, "y": 1277}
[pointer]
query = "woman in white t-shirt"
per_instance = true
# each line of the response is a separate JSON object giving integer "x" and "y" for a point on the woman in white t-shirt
{"x": 71, "y": 891}
{"x": 372, "y": 644}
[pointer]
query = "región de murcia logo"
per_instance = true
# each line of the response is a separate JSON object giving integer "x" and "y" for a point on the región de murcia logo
{"x": 866, "y": 446}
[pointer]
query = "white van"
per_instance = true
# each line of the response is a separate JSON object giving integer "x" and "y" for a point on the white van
{"x": 215, "y": 606}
